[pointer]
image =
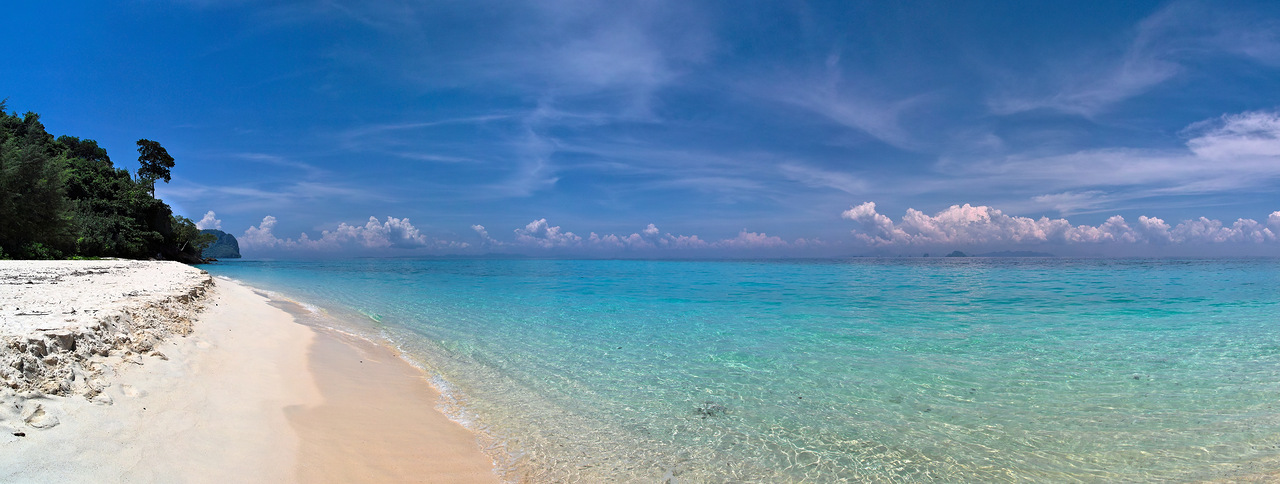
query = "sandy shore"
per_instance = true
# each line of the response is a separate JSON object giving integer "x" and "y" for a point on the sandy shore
{"x": 167, "y": 377}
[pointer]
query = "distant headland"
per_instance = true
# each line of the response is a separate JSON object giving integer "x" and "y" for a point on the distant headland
{"x": 224, "y": 247}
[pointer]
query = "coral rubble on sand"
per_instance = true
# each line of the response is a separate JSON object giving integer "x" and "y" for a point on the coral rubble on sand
{"x": 65, "y": 324}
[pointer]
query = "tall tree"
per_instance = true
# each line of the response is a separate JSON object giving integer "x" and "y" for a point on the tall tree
{"x": 107, "y": 205}
{"x": 156, "y": 163}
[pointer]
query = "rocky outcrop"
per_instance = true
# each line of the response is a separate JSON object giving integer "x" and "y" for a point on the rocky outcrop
{"x": 226, "y": 247}
{"x": 60, "y": 319}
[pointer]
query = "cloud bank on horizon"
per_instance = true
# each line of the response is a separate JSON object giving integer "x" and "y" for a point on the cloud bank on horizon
{"x": 393, "y": 233}
{"x": 981, "y": 226}
{"x": 958, "y": 226}
{"x": 663, "y": 127}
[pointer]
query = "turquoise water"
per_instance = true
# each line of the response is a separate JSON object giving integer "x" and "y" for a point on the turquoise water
{"x": 880, "y": 370}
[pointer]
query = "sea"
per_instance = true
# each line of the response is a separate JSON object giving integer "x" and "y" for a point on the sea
{"x": 834, "y": 370}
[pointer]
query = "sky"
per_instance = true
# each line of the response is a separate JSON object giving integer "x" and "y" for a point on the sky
{"x": 680, "y": 129}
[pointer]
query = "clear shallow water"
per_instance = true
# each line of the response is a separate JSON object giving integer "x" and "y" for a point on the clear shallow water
{"x": 884, "y": 370}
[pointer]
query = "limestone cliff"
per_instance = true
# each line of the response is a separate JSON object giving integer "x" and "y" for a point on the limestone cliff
{"x": 225, "y": 247}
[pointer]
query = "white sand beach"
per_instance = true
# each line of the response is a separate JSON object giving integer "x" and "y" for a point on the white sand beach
{"x": 128, "y": 371}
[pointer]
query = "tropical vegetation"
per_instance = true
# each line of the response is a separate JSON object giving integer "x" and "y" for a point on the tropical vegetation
{"x": 63, "y": 198}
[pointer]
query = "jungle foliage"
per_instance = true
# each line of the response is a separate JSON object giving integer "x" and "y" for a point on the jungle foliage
{"x": 63, "y": 198}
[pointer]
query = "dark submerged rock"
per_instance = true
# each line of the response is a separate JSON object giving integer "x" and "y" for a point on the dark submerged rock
{"x": 710, "y": 409}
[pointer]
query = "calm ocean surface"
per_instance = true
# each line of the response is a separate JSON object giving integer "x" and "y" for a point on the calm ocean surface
{"x": 882, "y": 370}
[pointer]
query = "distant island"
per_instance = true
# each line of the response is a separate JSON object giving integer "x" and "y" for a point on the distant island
{"x": 63, "y": 198}
{"x": 224, "y": 247}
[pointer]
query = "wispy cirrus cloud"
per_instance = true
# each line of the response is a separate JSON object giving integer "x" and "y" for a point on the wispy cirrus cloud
{"x": 1069, "y": 202}
{"x": 571, "y": 65}
{"x": 846, "y": 100}
{"x": 1158, "y": 50}
{"x": 817, "y": 177}
{"x": 276, "y": 160}
{"x": 879, "y": 119}
{"x": 296, "y": 196}
{"x": 364, "y": 137}
{"x": 716, "y": 117}
{"x": 556, "y": 49}
{"x": 1223, "y": 155}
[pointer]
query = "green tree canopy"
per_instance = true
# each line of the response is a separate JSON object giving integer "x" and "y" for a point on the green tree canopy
{"x": 63, "y": 197}
{"x": 87, "y": 150}
{"x": 156, "y": 162}
{"x": 34, "y": 221}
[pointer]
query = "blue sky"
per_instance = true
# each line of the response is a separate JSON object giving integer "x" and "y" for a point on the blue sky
{"x": 673, "y": 128}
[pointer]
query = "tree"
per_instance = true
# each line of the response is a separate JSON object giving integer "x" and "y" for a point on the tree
{"x": 156, "y": 163}
{"x": 107, "y": 205}
{"x": 188, "y": 238}
{"x": 34, "y": 220}
{"x": 63, "y": 197}
{"x": 86, "y": 149}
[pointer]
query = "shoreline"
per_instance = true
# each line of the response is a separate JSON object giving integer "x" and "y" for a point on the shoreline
{"x": 377, "y": 421}
{"x": 249, "y": 394}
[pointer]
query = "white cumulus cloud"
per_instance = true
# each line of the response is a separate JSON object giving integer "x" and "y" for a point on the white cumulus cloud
{"x": 539, "y": 233}
{"x": 485, "y": 239}
{"x": 396, "y": 233}
{"x": 648, "y": 238}
{"x": 261, "y": 236}
{"x": 752, "y": 240}
{"x": 210, "y": 221}
{"x": 982, "y": 225}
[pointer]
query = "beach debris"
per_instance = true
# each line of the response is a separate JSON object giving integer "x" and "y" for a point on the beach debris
{"x": 20, "y": 434}
{"x": 50, "y": 347}
{"x": 710, "y": 408}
